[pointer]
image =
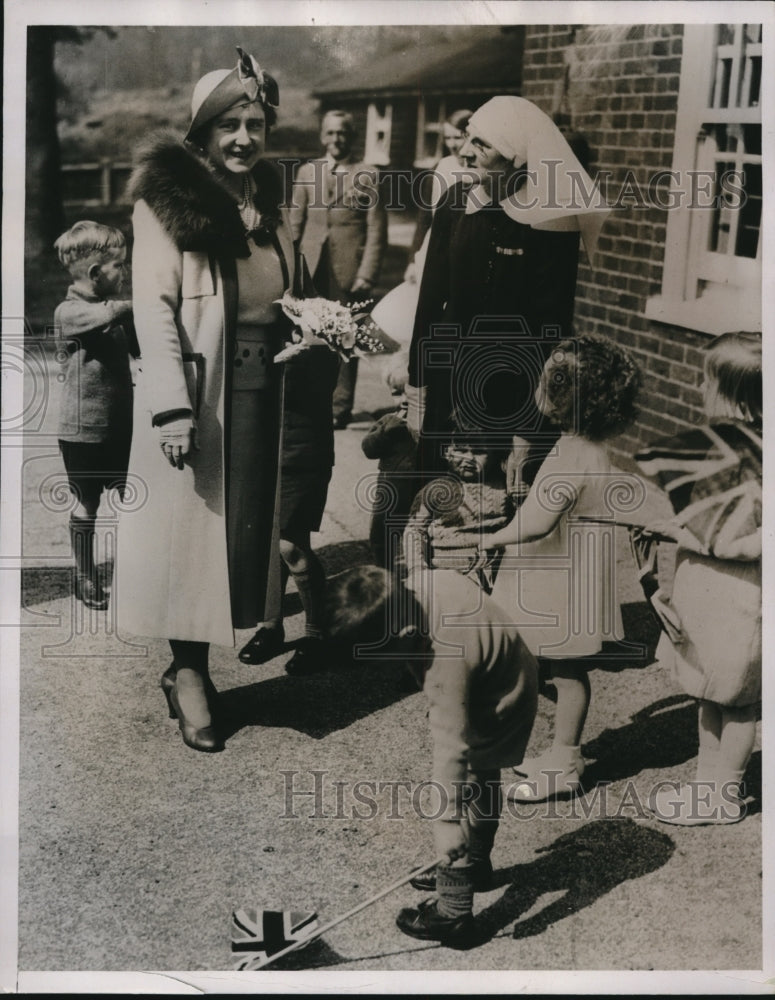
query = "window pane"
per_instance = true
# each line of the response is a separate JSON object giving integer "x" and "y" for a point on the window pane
{"x": 751, "y": 213}
{"x": 753, "y": 139}
{"x": 723, "y": 215}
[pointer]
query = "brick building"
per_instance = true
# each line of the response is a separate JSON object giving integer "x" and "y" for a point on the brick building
{"x": 650, "y": 100}
{"x": 671, "y": 116}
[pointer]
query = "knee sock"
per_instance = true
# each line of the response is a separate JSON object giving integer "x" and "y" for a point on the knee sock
{"x": 311, "y": 584}
{"x": 82, "y": 542}
{"x": 481, "y": 838}
{"x": 455, "y": 891}
{"x": 482, "y": 818}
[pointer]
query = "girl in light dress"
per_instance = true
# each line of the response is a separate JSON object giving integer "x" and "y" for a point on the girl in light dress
{"x": 553, "y": 579}
{"x": 717, "y": 588}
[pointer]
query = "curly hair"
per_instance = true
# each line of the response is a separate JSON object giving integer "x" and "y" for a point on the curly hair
{"x": 592, "y": 384}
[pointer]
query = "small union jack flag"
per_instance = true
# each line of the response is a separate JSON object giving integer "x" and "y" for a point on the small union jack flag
{"x": 256, "y": 935}
{"x": 713, "y": 478}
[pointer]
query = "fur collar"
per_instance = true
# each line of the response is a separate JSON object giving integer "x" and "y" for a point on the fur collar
{"x": 194, "y": 208}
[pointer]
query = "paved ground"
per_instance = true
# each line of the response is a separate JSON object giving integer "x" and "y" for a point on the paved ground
{"x": 135, "y": 849}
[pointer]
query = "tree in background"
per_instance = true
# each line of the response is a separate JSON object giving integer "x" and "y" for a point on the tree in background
{"x": 44, "y": 216}
{"x": 44, "y": 220}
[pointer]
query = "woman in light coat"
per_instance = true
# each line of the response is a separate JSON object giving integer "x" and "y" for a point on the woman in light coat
{"x": 198, "y": 554}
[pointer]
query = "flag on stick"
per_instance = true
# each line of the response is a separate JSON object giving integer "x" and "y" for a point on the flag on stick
{"x": 251, "y": 926}
{"x": 257, "y": 935}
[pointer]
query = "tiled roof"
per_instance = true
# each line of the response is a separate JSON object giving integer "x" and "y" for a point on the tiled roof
{"x": 488, "y": 65}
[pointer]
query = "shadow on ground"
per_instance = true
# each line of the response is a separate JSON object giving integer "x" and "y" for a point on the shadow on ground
{"x": 319, "y": 704}
{"x": 661, "y": 735}
{"x": 585, "y": 864}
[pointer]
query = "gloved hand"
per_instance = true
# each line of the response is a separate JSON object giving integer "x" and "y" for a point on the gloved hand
{"x": 415, "y": 411}
{"x": 177, "y": 439}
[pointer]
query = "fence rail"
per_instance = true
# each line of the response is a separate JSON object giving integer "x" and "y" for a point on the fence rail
{"x": 103, "y": 183}
{"x": 95, "y": 184}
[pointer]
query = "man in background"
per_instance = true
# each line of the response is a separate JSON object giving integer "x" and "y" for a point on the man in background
{"x": 337, "y": 215}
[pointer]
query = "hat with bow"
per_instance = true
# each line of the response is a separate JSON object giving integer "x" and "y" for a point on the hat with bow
{"x": 220, "y": 90}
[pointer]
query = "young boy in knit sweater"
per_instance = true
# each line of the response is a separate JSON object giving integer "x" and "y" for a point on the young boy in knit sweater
{"x": 452, "y": 515}
{"x": 481, "y": 682}
{"x": 95, "y": 334}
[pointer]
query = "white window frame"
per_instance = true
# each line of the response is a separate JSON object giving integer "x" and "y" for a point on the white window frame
{"x": 379, "y": 129}
{"x": 424, "y": 128}
{"x": 731, "y": 296}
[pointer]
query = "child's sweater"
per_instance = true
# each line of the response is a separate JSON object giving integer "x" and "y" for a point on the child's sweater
{"x": 451, "y": 519}
{"x": 96, "y": 401}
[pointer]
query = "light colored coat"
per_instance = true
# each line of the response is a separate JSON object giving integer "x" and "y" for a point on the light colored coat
{"x": 352, "y": 219}
{"x": 173, "y": 579}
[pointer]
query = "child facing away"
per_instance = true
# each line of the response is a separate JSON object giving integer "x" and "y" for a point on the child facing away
{"x": 390, "y": 440}
{"x": 481, "y": 684}
{"x": 558, "y": 590}
{"x": 453, "y": 516}
{"x": 94, "y": 330}
{"x": 717, "y": 590}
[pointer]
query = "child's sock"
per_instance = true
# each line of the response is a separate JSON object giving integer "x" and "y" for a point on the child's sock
{"x": 82, "y": 542}
{"x": 311, "y": 584}
{"x": 455, "y": 891}
{"x": 481, "y": 839}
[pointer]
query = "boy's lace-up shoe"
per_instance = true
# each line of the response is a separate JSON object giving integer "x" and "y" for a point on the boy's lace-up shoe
{"x": 425, "y": 923}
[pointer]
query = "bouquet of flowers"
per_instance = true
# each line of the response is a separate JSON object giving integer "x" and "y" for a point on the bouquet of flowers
{"x": 347, "y": 329}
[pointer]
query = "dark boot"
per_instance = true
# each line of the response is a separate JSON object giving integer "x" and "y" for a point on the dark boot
{"x": 87, "y": 586}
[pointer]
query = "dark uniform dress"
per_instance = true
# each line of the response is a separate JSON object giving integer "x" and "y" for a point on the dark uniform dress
{"x": 495, "y": 295}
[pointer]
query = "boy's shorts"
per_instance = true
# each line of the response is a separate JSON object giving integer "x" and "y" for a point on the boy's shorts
{"x": 303, "y": 495}
{"x": 94, "y": 467}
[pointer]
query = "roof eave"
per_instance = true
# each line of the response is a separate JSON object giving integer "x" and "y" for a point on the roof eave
{"x": 410, "y": 91}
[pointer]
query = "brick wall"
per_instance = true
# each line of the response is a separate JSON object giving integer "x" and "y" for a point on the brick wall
{"x": 622, "y": 95}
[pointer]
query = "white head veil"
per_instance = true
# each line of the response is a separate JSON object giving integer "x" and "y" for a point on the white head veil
{"x": 558, "y": 192}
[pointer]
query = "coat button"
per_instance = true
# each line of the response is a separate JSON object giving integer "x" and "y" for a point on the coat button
{"x": 238, "y": 362}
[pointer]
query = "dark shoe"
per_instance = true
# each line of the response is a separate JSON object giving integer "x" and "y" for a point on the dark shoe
{"x": 265, "y": 645}
{"x": 341, "y": 421}
{"x": 89, "y": 592}
{"x": 205, "y": 739}
{"x": 481, "y": 876}
{"x": 309, "y": 658}
{"x": 427, "y": 924}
